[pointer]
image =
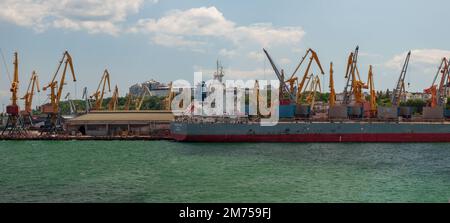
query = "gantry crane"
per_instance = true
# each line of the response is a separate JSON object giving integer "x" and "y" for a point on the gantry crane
{"x": 140, "y": 100}
{"x": 113, "y": 103}
{"x": 373, "y": 97}
{"x": 53, "y": 123}
{"x": 98, "y": 94}
{"x": 399, "y": 90}
{"x": 332, "y": 97}
{"x": 439, "y": 93}
{"x": 28, "y": 97}
{"x": 14, "y": 123}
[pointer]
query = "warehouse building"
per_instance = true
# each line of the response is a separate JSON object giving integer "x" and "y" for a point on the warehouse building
{"x": 121, "y": 123}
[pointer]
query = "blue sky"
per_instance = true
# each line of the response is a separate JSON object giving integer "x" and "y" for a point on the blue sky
{"x": 138, "y": 40}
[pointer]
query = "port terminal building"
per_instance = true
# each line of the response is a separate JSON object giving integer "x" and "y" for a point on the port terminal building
{"x": 121, "y": 123}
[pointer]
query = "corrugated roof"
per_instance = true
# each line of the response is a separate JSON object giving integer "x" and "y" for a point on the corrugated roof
{"x": 123, "y": 116}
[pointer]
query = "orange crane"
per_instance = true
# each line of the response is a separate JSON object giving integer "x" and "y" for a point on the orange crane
{"x": 28, "y": 97}
{"x": 300, "y": 86}
{"x": 439, "y": 93}
{"x": 332, "y": 97}
{"x": 169, "y": 98}
{"x": 98, "y": 94}
{"x": 353, "y": 80}
{"x": 314, "y": 86}
{"x": 128, "y": 102}
{"x": 112, "y": 105}
{"x": 373, "y": 97}
{"x": 14, "y": 123}
{"x": 55, "y": 96}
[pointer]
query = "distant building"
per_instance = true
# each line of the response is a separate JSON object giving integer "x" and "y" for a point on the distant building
{"x": 417, "y": 96}
{"x": 156, "y": 88}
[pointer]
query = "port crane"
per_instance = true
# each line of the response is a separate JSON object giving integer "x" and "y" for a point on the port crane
{"x": 284, "y": 87}
{"x": 53, "y": 123}
{"x": 14, "y": 123}
{"x": 169, "y": 97}
{"x": 72, "y": 108}
{"x": 300, "y": 86}
{"x": 373, "y": 97}
{"x": 400, "y": 88}
{"x": 332, "y": 96}
{"x": 28, "y": 97}
{"x": 113, "y": 103}
{"x": 87, "y": 100}
{"x": 354, "y": 84}
{"x": 439, "y": 92}
{"x": 314, "y": 86}
{"x": 140, "y": 100}
{"x": 128, "y": 102}
{"x": 100, "y": 92}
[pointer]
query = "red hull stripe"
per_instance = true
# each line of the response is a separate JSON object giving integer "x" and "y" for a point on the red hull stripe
{"x": 375, "y": 137}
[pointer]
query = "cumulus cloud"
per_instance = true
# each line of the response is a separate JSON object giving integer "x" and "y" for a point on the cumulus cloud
{"x": 422, "y": 68}
{"x": 419, "y": 57}
{"x": 94, "y": 16}
{"x": 209, "y": 22}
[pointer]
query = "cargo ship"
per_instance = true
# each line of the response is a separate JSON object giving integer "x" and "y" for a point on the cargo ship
{"x": 350, "y": 131}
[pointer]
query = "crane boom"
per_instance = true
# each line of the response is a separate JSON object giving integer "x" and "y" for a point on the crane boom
{"x": 350, "y": 75}
{"x": 439, "y": 92}
{"x": 332, "y": 97}
{"x": 28, "y": 97}
{"x": 373, "y": 97}
{"x": 141, "y": 100}
{"x": 280, "y": 77}
{"x": 99, "y": 94}
{"x": 400, "y": 88}
{"x": 112, "y": 105}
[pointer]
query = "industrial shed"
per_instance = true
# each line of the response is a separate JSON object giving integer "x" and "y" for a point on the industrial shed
{"x": 121, "y": 123}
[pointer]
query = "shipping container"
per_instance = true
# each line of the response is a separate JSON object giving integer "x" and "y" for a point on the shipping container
{"x": 287, "y": 111}
{"x": 430, "y": 113}
{"x": 338, "y": 112}
{"x": 386, "y": 113}
{"x": 303, "y": 111}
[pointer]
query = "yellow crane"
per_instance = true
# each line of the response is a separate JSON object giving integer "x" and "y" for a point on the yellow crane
{"x": 332, "y": 97}
{"x": 55, "y": 96}
{"x": 28, "y": 97}
{"x": 99, "y": 94}
{"x": 373, "y": 97}
{"x": 141, "y": 99}
{"x": 13, "y": 124}
{"x": 314, "y": 86}
{"x": 353, "y": 79}
{"x": 128, "y": 102}
{"x": 112, "y": 105}
{"x": 312, "y": 58}
{"x": 169, "y": 97}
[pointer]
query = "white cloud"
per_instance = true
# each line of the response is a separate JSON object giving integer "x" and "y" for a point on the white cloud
{"x": 421, "y": 70}
{"x": 285, "y": 61}
{"x": 258, "y": 56}
{"x": 178, "y": 41}
{"x": 203, "y": 22}
{"x": 94, "y": 16}
{"x": 419, "y": 57}
{"x": 227, "y": 53}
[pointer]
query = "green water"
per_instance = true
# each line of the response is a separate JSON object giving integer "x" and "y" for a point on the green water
{"x": 161, "y": 171}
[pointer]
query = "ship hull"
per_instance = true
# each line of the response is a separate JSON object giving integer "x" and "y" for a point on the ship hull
{"x": 312, "y": 132}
